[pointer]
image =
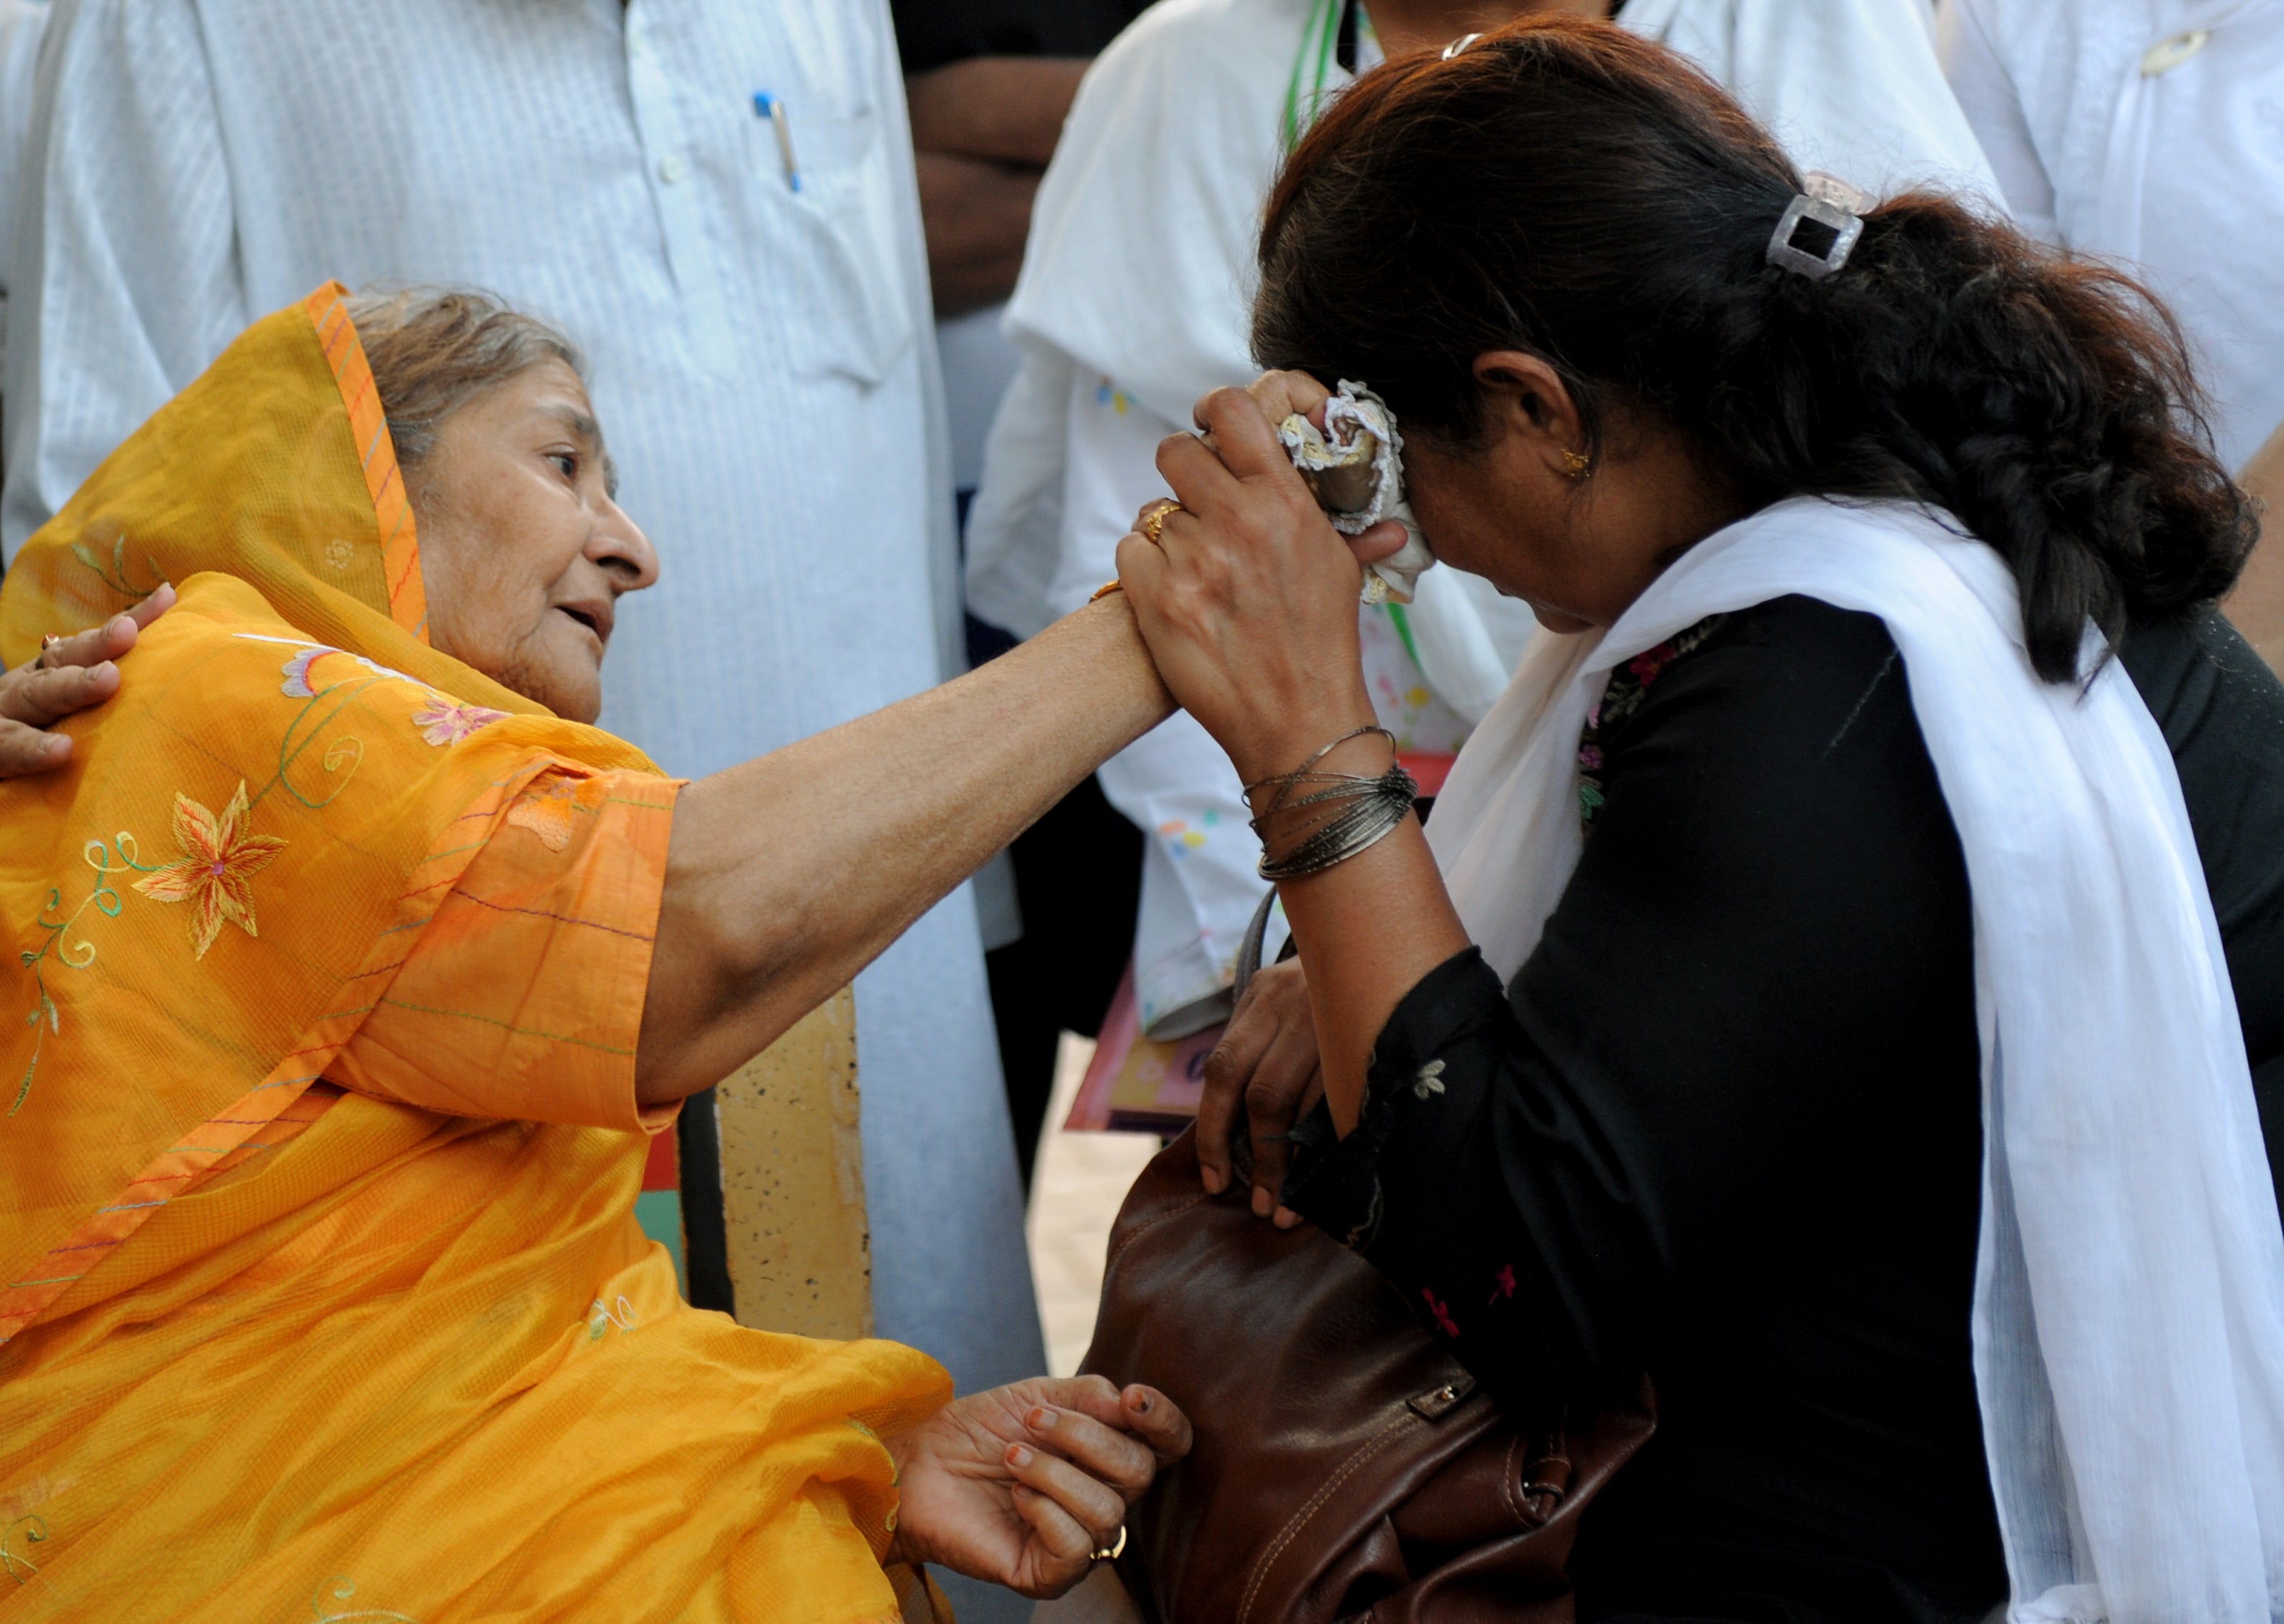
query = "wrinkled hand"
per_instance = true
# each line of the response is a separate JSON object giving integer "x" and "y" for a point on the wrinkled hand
{"x": 72, "y": 675}
{"x": 1266, "y": 1073}
{"x": 1248, "y": 597}
{"x": 1020, "y": 1484}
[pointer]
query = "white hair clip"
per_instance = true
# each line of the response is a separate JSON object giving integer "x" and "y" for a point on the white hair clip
{"x": 1459, "y": 44}
{"x": 1819, "y": 227}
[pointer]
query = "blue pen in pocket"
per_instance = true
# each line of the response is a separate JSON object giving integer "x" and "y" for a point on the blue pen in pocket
{"x": 773, "y": 109}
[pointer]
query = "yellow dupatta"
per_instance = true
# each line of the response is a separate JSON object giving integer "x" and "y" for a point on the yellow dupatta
{"x": 258, "y": 1362}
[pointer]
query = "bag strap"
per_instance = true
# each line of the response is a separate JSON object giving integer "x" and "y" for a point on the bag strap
{"x": 1249, "y": 952}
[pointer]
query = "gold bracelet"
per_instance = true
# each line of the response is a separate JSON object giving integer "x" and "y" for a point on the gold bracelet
{"x": 1105, "y": 590}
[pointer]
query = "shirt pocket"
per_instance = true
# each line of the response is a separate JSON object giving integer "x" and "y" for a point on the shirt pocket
{"x": 853, "y": 313}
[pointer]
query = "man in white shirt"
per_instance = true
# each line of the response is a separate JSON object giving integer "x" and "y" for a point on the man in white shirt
{"x": 2151, "y": 132}
{"x": 716, "y": 197}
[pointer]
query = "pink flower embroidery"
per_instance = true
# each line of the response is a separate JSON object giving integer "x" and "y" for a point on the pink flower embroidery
{"x": 447, "y": 722}
{"x": 1444, "y": 1323}
{"x": 297, "y": 684}
{"x": 1503, "y": 1283}
{"x": 215, "y": 875}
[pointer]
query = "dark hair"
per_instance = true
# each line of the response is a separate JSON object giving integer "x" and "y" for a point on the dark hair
{"x": 1566, "y": 189}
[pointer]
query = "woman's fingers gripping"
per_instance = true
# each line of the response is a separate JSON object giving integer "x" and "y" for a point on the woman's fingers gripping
{"x": 151, "y": 607}
{"x": 1157, "y": 1421}
{"x": 1282, "y": 395}
{"x": 1117, "y": 1459}
{"x": 1094, "y": 1505}
{"x": 25, "y": 751}
{"x": 1266, "y": 1066}
{"x": 72, "y": 673}
{"x": 1228, "y": 1069}
{"x": 1143, "y": 1411}
{"x": 1274, "y": 1100}
{"x": 40, "y": 697}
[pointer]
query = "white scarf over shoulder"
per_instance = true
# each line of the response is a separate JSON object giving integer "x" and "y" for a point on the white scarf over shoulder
{"x": 2128, "y": 1299}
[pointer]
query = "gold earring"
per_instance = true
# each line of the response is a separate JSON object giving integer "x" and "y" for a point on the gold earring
{"x": 1577, "y": 463}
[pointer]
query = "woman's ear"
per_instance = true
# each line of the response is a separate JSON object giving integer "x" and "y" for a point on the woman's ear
{"x": 1526, "y": 401}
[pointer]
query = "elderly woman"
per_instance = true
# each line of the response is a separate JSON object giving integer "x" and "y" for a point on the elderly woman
{"x": 1835, "y": 976}
{"x": 355, "y": 971}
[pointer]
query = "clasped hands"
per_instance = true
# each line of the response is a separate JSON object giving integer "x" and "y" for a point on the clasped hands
{"x": 1246, "y": 594}
{"x": 1247, "y": 599}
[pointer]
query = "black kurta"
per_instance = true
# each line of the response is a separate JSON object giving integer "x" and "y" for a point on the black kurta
{"x": 1725, "y": 1124}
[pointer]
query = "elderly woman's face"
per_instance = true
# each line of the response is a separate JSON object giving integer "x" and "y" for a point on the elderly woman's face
{"x": 523, "y": 550}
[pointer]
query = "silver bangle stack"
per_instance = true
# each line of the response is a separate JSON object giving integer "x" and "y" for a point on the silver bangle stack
{"x": 1373, "y": 806}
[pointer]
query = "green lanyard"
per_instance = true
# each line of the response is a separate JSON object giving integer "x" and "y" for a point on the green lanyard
{"x": 1318, "y": 40}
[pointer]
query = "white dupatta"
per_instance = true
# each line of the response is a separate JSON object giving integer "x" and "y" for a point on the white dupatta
{"x": 2129, "y": 1299}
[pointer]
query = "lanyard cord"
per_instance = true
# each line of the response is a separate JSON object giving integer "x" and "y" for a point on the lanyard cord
{"x": 1329, "y": 21}
{"x": 1330, "y": 33}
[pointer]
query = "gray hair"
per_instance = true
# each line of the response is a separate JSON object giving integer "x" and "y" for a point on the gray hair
{"x": 435, "y": 350}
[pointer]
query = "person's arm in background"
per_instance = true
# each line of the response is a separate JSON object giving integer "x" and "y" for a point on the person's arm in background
{"x": 983, "y": 130}
{"x": 123, "y": 280}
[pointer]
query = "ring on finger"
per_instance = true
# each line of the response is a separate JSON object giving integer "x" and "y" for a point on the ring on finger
{"x": 48, "y": 645}
{"x": 1155, "y": 520}
{"x": 1112, "y": 1552}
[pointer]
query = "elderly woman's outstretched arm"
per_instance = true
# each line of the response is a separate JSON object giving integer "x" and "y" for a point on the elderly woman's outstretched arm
{"x": 787, "y": 875}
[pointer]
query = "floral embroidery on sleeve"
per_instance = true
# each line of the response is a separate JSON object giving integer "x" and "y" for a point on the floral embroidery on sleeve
{"x": 215, "y": 874}
{"x": 1622, "y": 696}
{"x": 1444, "y": 1323}
{"x": 447, "y": 722}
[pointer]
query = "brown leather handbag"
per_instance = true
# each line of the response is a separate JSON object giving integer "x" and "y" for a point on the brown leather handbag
{"x": 1346, "y": 1468}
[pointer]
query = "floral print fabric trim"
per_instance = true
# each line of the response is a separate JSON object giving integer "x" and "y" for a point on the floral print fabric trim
{"x": 442, "y": 721}
{"x": 1621, "y": 696}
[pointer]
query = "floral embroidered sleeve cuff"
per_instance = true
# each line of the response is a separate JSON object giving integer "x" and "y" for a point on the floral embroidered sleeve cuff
{"x": 1467, "y": 1182}
{"x": 1334, "y": 1183}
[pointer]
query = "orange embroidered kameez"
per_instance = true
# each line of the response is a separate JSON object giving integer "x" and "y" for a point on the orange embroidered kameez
{"x": 321, "y": 1294}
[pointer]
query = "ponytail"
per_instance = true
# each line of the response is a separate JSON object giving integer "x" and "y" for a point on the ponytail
{"x": 1569, "y": 190}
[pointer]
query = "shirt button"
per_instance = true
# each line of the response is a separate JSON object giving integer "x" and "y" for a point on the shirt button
{"x": 670, "y": 168}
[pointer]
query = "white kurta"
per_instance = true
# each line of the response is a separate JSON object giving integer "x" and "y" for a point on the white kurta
{"x": 759, "y": 364}
{"x": 2151, "y": 132}
{"x": 23, "y": 24}
{"x": 1134, "y": 301}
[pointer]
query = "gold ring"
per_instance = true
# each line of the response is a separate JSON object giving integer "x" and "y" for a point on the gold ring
{"x": 1112, "y": 1551}
{"x": 1155, "y": 520}
{"x": 52, "y": 640}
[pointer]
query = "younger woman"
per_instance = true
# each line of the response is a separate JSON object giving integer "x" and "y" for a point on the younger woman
{"x": 1862, "y": 915}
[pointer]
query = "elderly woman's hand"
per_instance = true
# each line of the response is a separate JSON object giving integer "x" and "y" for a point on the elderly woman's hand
{"x": 1266, "y": 1073}
{"x": 1022, "y": 1485}
{"x": 72, "y": 673}
{"x": 1246, "y": 595}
